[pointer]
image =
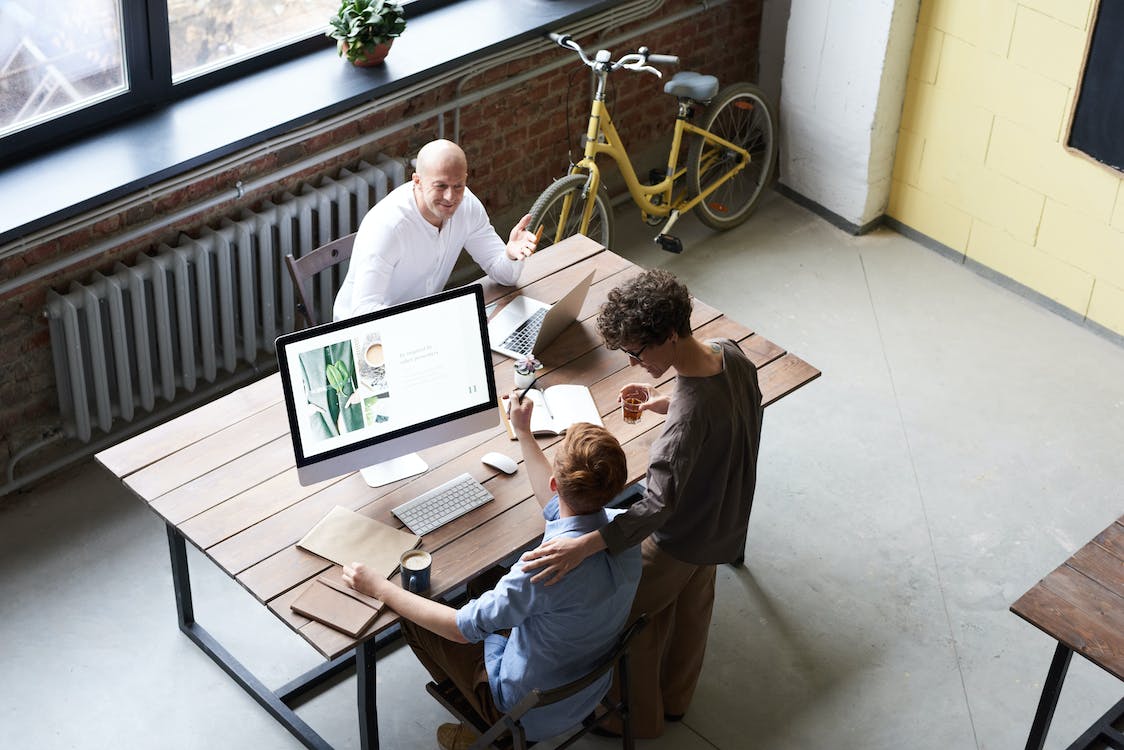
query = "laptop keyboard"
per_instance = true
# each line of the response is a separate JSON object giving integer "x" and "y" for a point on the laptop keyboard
{"x": 435, "y": 508}
{"x": 523, "y": 338}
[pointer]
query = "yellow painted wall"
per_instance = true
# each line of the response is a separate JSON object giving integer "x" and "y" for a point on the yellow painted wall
{"x": 981, "y": 164}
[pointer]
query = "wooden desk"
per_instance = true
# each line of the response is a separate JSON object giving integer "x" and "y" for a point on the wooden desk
{"x": 1081, "y": 605}
{"x": 223, "y": 478}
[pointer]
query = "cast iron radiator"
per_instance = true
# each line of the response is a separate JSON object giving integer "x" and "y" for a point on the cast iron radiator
{"x": 129, "y": 343}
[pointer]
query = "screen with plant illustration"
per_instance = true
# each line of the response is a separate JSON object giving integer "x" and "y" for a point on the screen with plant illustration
{"x": 385, "y": 374}
{"x": 344, "y": 383}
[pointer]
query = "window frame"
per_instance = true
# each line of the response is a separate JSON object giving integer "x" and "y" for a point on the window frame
{"x": 147, "y": 65}
{"x": 97, "y": 168}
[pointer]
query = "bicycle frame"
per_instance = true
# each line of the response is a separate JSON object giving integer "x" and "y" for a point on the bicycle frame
{"x": 657, "y": 200}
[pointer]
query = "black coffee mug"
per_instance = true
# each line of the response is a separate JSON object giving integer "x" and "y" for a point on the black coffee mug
{"x": 416, "y": 565}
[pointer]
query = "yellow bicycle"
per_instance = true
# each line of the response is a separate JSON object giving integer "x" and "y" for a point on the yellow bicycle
{"x": 731, "y": 155}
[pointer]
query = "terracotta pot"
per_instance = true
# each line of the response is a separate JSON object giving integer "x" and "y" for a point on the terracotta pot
{"x": 373, "y": 57}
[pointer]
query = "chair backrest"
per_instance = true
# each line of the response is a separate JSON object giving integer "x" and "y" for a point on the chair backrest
{"x": 607, "y": 662}
{"x": 304, "y": 269}
{"x": 616, "y": 658}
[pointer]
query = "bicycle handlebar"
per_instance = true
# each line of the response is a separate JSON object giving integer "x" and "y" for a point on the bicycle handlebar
{"x": 633, "y": 61}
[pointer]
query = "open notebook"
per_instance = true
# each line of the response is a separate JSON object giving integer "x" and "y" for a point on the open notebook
{"x": 559, "y": 406}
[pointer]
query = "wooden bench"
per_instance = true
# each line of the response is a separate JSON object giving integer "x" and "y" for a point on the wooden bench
{"x": 1081, "y": 605}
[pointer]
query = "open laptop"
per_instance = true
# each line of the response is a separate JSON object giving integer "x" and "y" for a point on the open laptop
{"x": 527, "y": 325}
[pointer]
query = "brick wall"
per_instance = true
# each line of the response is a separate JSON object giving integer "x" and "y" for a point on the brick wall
{"x": 516, "y": 143}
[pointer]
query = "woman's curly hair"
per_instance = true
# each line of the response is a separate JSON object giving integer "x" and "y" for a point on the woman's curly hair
{"x": 646, "y": 310}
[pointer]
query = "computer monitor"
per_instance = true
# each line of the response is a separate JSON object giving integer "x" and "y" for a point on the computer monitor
{"x": 365, "y": 393}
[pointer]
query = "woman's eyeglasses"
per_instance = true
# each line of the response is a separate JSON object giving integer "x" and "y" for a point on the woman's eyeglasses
{"x": 635, "y": 355}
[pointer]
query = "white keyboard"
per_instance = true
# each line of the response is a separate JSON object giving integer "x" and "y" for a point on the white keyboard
{"x": 438, "y": 506}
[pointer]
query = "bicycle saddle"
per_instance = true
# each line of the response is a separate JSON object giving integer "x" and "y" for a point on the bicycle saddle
{"x": 697, "y": 86}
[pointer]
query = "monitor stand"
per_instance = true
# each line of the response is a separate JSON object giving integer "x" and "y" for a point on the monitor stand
{"x": 393, "y": 470}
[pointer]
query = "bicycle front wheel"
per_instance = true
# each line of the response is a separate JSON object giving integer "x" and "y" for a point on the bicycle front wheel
{"x": 559, "y": 210}
{"x": 741, "y": 115}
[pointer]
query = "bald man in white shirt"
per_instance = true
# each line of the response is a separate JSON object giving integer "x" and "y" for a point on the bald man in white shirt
{"x": 407, "y": 244}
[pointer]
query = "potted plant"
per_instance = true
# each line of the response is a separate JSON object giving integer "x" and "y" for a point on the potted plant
{"x": 365, "y": 29}
{"x": 525, "y": 369}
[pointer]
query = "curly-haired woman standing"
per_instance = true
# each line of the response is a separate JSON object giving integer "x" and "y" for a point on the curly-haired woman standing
{"x": 701, "y": 476}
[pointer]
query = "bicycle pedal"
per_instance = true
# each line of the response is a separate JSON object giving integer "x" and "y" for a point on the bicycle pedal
{"x": 669, "y": 243}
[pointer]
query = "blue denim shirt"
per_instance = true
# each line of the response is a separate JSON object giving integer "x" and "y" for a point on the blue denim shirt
{"x": 558, "y": 632}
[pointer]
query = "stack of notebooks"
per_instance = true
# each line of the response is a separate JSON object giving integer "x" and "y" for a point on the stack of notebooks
{"x": 344, "y": 537}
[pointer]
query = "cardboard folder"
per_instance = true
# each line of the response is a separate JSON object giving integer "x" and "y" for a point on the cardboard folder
{"x": 335, "y": 608}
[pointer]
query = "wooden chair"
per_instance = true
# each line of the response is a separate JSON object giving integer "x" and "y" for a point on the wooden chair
{"x": 507, "y": 733}
{"x": 303, "y": 271}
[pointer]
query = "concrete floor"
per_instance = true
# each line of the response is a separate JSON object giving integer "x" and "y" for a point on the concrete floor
{"x": 961, "y": 443}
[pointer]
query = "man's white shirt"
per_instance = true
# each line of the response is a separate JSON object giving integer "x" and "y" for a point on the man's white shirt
{"x": 399, "y": 256}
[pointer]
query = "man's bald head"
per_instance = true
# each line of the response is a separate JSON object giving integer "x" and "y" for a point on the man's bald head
{"x": 439, "y": 180}
{"x": 442, "y": 155}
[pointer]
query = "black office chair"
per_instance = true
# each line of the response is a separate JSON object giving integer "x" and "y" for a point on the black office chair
{"x": 305, "y": 268}
{"x": 507, "y": 733}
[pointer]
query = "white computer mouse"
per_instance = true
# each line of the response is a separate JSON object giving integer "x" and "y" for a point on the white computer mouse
{"x": 499, "y": 461}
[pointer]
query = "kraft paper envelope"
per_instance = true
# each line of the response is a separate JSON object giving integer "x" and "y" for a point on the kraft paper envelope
{"x": 344, "y": 536}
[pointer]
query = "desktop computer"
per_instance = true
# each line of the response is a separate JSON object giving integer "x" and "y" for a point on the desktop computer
{"x": 367, "y": 393}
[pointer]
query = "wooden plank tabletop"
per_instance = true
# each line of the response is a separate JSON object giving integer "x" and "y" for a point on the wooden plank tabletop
{"x": 225, "y": 477}
{"x": 1081, "y": 603}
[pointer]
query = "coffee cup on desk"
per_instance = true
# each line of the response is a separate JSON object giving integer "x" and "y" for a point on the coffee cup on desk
{"x": 416, "y": 565}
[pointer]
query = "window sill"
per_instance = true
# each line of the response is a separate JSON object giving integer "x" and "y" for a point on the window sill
{"x": 108, "y": 165}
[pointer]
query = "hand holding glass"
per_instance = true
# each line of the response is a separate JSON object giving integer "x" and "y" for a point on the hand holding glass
{"x": 632, "y": 398}
{"x": 630, "y": 408}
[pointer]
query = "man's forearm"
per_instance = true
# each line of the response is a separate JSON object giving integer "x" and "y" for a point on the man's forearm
{"x": 628, "y": 529}
{"x": 538, "y": 468}
{"x": 433, "y": 616}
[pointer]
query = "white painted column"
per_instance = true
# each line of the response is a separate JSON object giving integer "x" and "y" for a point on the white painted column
{"x": 842, "y": 87}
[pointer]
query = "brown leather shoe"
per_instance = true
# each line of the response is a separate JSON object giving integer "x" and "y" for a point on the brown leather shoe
{"x": 455, "y": 737}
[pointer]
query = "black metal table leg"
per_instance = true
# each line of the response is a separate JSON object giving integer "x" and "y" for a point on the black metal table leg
{"x": 237, "y": 671}
{"x": 279, "y": 703}
{"x": 1105, "y": 733}
{"x": 181, "y": 577}
{"x": 368, "y": 713}
{"x": 1049, "y": 700}
{"x": 296, "y": 691}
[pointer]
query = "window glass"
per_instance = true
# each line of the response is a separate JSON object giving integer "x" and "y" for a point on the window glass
{"x": 206, "y": 34}
{"x": 69, "y": 69}
{"x": 57, "y": 58}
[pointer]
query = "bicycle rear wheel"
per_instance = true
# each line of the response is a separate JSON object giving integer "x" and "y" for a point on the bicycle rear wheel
{"x": 553, "y": 212}
{"x": 741, "y": 115}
